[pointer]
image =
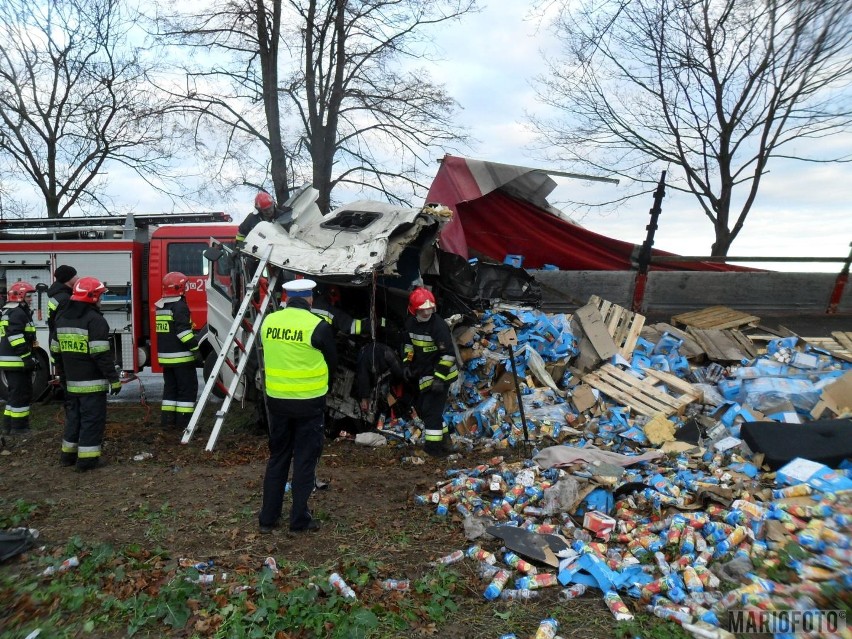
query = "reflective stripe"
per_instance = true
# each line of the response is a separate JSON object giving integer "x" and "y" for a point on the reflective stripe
{"x": 87, "y": 386}
{"x": 426, "y": 381}
{"x": 87, "y": 452}
{"x": 69, "y": 447}
{"x": 433, "y": 435}
{"x": 356, "y": 327}
{"x": 294, "y": 368}
{"x": 324, "y": 314}
{"x": 185, "y": 407}
{"x": 186, "y": 335}
{"x": 17, "y": 411}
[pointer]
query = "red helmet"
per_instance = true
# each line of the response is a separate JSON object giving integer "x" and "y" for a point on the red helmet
{"x": 89, "y": 290}
{"x": 18, "y": 291}
{"x": 420, "y": 299}
{"x": 174, "y": 283}
{"x": 263, "y": 201}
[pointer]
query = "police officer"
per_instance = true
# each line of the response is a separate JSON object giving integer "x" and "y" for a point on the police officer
{"x": 299, "y": 359}
{"x": 430, "y": 363}
{"x": 17, "y": 337}
{"x": 177, "y": 353}
{"x": 83, "y": 336}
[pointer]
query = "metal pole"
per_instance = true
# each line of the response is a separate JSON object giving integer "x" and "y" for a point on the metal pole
{"x": 839, "y": 285}
{"x": 520, "y": 401}
{"x": 645, "y": 252}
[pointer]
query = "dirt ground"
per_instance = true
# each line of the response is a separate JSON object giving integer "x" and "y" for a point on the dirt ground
{"x": 199, "y": 505}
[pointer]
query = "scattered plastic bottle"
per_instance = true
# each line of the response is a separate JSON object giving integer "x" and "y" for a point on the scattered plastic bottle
{"x": 271, "y": 565}
{"x": 572, "y": 592}
{"x": 71, "y": 562}
{"x": 519, "y": 594}
{"x": 396, "y": 584}
{"x": 454, "y": 557}
{"x": 341, "y": 586}
{"x": 497, "y": 584}
{"x": 547, "y": 629}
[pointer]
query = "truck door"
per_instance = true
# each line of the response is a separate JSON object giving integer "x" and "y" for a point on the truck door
{"x": 221, "y": 302}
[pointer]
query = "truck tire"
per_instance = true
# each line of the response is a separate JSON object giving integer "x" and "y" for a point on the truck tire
{"x": 209, "y": 362}
{"x": 41, "y": 378}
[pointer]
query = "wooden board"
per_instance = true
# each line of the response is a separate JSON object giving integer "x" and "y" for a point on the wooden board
{"x": 839, "y": 344}
{"x": 624, "y": 326}
{"x": 690, "y": 349}
{"x": 719, "y": 317}
{"x": 642, "y": 395}
{"x": 725, "y": 346}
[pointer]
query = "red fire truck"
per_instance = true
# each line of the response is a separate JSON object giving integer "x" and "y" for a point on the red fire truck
{"x": 130, "y": 255}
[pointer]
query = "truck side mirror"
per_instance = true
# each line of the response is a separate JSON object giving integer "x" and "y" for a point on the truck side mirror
{"x": 41, "y": 287}
{"x": 214, "y": 253}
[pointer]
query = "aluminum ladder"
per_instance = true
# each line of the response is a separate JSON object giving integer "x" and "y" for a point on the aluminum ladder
{"x": 247, "y": 307}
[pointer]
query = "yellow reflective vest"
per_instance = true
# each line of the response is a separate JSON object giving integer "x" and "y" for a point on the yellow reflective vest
{"x": 294, "y": 368}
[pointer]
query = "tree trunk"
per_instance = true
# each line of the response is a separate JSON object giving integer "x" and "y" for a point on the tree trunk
{"x": 722, "y": 244}
{"x": 323, "y": 164}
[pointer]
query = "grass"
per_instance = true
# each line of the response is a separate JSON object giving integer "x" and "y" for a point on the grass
{"x": 131, "y": 592}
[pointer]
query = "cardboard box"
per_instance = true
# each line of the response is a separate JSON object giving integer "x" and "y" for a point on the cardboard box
{"x": 836, "y": 397}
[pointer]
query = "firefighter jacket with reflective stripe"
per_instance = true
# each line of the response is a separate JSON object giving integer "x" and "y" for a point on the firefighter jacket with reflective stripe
{"x": 298, "y": 353}
{"x": 176, "y": 342}
{"x": 58, "y": 296}
{"x": 429, "y": 351}
{"x": 339, "y": 319}
{"x": 17, "y": 335}
{"x": 83, "y": 336}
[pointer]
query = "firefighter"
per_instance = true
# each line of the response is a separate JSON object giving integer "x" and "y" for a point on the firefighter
{"x": 378, "y": 375}
{"x": 58, "y": 296}
{"x": 300, "y": 356}
{"x": 264, "y": 207}
{"x": 430, "y": 364}
{"x": 327, "y": 306}
{"x": 177, "y": 353}
{"x": 90, "y": 372}
{"x": 17, "y": 361}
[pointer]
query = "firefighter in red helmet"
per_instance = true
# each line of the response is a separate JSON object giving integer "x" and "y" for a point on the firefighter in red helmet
{"x": 17, "y": 361}
{"x": 90, "y": 372}
{"x": 177, "y": 353}
{"x": 430, "y": 364}
{"x": 264, "y": 211}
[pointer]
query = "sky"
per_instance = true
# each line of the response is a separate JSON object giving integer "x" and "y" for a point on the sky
{"x": 802, "y": 209}
{"x": 488, "y": 63}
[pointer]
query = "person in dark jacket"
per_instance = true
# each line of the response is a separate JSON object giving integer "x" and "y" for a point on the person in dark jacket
{"x": 377, "y": 372}
{"x": 430, "y": 364}
{"x": 58, "y": 296}
{"x": 264, "y": 211}
{"x": 327, "y": 306}
{"x": 300, "y": 357}
{"x": 17, "y": 338}
{"x": 90, "y": 372}
{"x": 177, "y": 353}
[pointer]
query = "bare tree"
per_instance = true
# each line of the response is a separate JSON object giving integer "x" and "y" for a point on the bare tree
{"x": 359, "y": 119}
{"x": 232, "y": 90}
{"x": 716, "y": 88}
{"x": 74, "y": 99}
{"x": 358, "y": 112}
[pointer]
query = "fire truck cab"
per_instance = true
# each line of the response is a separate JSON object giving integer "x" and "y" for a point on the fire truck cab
{"x": 130, "y": 255}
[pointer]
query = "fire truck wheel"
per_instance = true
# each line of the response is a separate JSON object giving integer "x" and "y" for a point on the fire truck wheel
{"x": 209, "y": 362}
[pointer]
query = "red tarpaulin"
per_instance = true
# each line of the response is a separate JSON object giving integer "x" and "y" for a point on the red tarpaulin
{"x": 501, "y": 209}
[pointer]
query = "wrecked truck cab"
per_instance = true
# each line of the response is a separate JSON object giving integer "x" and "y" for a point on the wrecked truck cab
{"x": 372, "y": 252}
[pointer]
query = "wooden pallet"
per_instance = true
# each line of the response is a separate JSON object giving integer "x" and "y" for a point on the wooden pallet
{"x": 624, "y": 326}
{"x": 839, "y": 344}
{"x": 690, "y": 349}
{"x": 719, "y": 317}
{"x": 642, "y": 395}
{"x": 726, "y": 345}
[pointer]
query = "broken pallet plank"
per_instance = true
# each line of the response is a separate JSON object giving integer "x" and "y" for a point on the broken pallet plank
{"x": 623, "y": 325}
{"x": 690, "y": 349}
{"x": 726, "y": 345}
{"x": 640, "y": 395}
{"x": 719, "y": 317}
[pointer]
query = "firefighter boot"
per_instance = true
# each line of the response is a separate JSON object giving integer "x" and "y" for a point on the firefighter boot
{"x": 182, "y": 420}
{"x": 168, "y": 419}
{"x": 67, "y": 459}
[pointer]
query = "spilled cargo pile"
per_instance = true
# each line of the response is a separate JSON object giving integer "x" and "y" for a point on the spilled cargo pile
{"x": 714, "y": 493}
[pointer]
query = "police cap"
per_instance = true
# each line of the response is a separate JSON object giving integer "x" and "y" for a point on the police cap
{"x": 300, "y": 288}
